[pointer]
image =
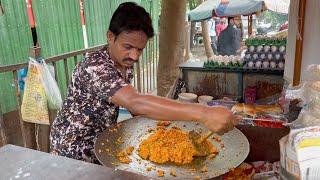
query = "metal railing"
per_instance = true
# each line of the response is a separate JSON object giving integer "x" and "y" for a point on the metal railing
{"x": 145, "y": 79}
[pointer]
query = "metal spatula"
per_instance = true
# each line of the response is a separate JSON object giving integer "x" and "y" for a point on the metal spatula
{"x": 199, "y": 142}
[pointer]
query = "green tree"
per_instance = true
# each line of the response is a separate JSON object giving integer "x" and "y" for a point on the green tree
{"x": 275, "y": 19}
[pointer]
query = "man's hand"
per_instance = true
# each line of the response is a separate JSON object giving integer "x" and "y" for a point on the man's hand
{"x": 218, "y": 119}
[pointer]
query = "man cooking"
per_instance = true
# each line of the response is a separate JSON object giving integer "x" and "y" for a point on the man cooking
{"x": 101, "y": 83}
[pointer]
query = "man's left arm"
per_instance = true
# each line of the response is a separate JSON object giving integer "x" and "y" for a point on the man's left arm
{"x": 236, "y": 41}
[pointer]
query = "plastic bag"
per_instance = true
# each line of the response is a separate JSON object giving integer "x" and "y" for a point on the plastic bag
{"x": 309, "y": 94}
{"x": 51, "y": 87}
{"x": 34, "y": 107}
{"x": 313, "y": 72}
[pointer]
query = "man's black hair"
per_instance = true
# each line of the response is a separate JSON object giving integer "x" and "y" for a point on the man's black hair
{"x": 128, "y": 17}
{"x": 229, "y": 19}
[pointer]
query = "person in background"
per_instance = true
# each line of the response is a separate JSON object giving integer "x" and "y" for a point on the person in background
{"x": 284, "y": 26}
{"x": 221, "y": 26}
{"x": 229, "y": 40}
{"x": 212, "y": 34}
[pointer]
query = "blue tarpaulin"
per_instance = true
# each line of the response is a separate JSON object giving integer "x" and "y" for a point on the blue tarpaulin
{"x": 211, "y": 8}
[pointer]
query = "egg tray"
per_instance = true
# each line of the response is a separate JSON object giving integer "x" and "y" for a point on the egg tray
{"x": 282, "y": 56}
{"x": 246, "y": 67}
{"x": 225, "y": 68}
{"x": 267, "y": 44}
{"x": 259, "y": 59}
{"x": 233, "y": 67}
{"x": 268, "y": 52}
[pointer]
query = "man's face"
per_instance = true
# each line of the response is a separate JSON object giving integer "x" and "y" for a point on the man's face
{"x": 237, "y": 21}
{"x": 126, "y": 48}
{"x": 223, "y": 21}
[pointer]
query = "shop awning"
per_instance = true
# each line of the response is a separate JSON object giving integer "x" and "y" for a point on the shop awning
{"x": 211, "y": 8}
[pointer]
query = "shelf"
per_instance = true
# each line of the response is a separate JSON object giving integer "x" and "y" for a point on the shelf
{"x": 198, "y": 66}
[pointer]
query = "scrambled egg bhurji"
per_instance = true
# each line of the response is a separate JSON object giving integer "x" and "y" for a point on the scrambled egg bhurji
{"x": 171, "y": 145}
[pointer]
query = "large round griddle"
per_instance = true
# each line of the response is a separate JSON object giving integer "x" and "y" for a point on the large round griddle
{"x": 134, "y": 130}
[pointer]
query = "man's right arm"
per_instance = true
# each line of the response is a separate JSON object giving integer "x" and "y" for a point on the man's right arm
{"x": 218, "y": 119}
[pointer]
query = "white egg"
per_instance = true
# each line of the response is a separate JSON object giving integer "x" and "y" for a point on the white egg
{"x": 258, "y": 64}
{"x": 251, "y": 48}
{"x": 251, "y": 64}
{"x": 266, "y": 64}
{"x": 234, "y": 60}
{"x": 266, "y": 48}
{"x": 273, "y": 64}
{"x": 282, "y": 49}
{"x": 259, "y": 48}
{"x": 281, "y": 65}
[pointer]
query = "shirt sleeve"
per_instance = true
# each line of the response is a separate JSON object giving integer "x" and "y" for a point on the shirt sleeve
{"x": 106, "y": 82}
{"x": 235, "y": 40}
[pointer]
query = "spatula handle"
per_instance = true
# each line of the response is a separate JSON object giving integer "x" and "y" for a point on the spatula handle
{"x": 205, "y": 137}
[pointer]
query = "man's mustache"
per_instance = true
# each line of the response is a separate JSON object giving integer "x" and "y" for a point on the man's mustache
{"x": 129, "y": 60}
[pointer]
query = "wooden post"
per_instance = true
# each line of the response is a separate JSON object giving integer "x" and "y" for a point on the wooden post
{"x": 299, "y": 43}
{"x": 206, "y": 39}
{"x": 139, "y": 77}
{"x": 249, "y": 25}
{"x": 66, "y": 70}
{"x": 153, "y": 66}
{"x": 3, "y": 136}
{"x": 1, "y": 9}
{"x": 75, "y": 60}
{"x": 54, "y": 64}
{"x": 187, "y": 41}
{"x": 147, "y": 67}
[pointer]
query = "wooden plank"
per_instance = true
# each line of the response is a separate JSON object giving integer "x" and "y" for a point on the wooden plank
{"x": 147, "y": 67}
{"x": 157, "y": 53}
{"x": 138, "y": 77}
{"x": 11, "y": 68}
{"x": 27, "y": 129}
{"x": 66, "y": 71}
{"x": 75, "y": 60}
{"x": 73, "y": 53}
{"x": 3, "y": 136}
{"x": 55, "y": 70}
{"x": 153, "y": 67}
{"x": 42, "y": 137}
{"x": 135, "y": 75}
{"x": 249, "y": 25}
{"x": 299, "y": 44}
{"x": 43, "y": 133}
{"x": 142, "y": 67}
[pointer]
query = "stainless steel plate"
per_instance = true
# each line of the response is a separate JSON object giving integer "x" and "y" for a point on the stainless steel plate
{"x": 134, "y": 130}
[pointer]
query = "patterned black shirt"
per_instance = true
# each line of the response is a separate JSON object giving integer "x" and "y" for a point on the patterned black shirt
{"x": 88, "y": 110}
